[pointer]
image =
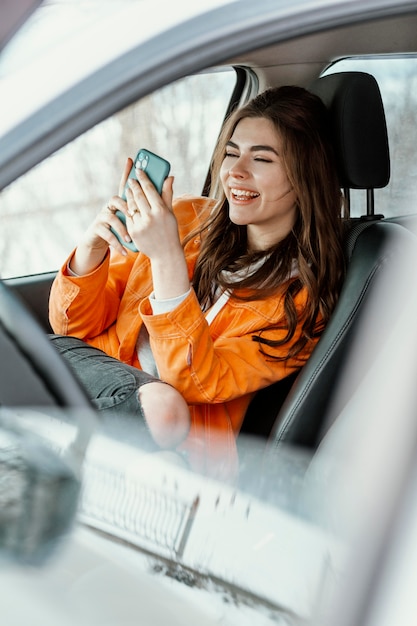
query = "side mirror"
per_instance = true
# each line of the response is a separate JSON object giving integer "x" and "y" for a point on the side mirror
{"x": 39, "y": 491}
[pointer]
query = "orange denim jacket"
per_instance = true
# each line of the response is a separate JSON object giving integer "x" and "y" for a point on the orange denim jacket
{"x": 216, "y": 367}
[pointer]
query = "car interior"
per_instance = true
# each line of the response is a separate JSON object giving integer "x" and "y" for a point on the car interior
{"x": 373, "y": 247}
{"x": 297, "y": 410}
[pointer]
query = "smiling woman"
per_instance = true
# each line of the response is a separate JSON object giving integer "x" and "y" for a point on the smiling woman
{"x": 263, "y": 282}
{"x": 297, "y": 206}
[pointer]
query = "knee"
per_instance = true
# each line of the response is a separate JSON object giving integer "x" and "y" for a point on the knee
{"x": 166, "y": 413}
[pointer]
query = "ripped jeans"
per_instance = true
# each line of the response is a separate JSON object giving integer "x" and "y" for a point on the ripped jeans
{"x": 111, "y": 385}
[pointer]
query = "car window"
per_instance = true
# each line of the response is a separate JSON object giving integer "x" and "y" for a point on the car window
{"x": 397, "y": 79}
{"x": 45, "y": 211}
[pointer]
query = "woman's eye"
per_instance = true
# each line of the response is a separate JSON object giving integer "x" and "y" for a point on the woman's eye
{"x": 230, "y": 154}
{"x": 262, "y": 160}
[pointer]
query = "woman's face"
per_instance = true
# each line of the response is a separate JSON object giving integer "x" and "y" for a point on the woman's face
{"x": 256, "y": 185}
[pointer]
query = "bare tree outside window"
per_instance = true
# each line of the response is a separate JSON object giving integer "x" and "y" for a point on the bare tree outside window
{"x": 44, "y": 213}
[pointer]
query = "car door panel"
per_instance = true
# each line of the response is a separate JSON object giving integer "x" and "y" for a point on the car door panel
{"x": 34, "y": 293}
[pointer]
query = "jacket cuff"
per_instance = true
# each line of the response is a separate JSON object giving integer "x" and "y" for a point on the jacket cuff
{"x": 180, "y": 321}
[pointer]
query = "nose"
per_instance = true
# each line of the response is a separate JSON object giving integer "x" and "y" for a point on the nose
{"x": 238, "y": 168}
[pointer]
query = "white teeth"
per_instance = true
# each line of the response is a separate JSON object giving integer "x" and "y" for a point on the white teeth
{"x": 243, "y": 193}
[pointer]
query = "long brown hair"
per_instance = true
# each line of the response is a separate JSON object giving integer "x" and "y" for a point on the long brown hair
{"x": 314, "y": 243}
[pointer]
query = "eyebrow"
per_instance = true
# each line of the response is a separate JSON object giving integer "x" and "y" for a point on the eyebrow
{"x": 254, "y": 148}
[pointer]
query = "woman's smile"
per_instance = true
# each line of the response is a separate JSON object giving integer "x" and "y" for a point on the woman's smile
{"x": 243, "y": 195}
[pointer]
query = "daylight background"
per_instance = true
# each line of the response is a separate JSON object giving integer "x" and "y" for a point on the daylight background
{"x": 46, "y": 211}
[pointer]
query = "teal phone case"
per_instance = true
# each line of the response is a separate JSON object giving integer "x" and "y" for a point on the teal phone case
{"x": 157, "y": 170}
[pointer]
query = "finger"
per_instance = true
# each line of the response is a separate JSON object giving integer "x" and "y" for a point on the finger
{"x": 168, "y": 191}
{"x": 145, "y": 183}
{"x": 137, "y": 200}
{"x": 146, "y": 195}
{"x": 110, "y": 208}
{"x": 125, "y": 175}
{"x": 116, "y": 203}
{"x": 103, "y": 230}
{"x": 131, "y": 212}
{"x": 115, "y": 223}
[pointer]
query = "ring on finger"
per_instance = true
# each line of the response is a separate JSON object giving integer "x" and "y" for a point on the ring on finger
{"x": 132, "y": 212}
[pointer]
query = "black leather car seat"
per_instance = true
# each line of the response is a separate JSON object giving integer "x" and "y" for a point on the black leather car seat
{"x": 380, "y": 253}
{"x": 373, "y": 249}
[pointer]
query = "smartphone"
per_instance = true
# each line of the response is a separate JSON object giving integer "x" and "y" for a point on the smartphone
{"x": 157, "y": 170}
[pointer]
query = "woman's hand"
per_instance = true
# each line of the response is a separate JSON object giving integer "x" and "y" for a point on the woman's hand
{"x": 153, "y": 228}
{"x": 150, "y": 220}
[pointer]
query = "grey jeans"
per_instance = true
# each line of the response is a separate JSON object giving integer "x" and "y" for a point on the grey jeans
{"x": 111, "y": 385}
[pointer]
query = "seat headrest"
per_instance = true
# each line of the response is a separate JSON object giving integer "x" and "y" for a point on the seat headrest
{"x": 359, "y": 128}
